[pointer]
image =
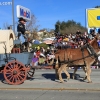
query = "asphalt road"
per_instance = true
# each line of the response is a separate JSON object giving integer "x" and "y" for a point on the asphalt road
{"x": 44, "y": 86}
{"x": 48, "y": 95}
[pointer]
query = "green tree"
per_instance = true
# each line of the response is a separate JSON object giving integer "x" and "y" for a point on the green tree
{"x": 97, "y": 6}
{"x": 57, "y": 26}
{"x": 68, "y": 27}
{"x": 57, "y": 29}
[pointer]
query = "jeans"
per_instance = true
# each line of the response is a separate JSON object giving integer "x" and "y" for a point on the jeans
{"x": 21, "y": 38}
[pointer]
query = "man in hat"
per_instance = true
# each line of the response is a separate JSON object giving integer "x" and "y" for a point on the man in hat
{"x": 21, "y": 28}
{"x": 21, "y": 31}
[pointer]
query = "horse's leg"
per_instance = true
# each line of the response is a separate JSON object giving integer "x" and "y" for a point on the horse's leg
{"x": 75, "y": 69}
{"x": 63, "y": 68}
{"x": 84, "y": 69}
{"x": 88, "y": 74}
{"x": 56, "y": 72}
{"x": 66, "y": 72}
{"x": 56, "y": 69}
{"x": 59, "y": 73}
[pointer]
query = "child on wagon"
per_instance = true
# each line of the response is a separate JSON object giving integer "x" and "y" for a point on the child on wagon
{"x": 35, "y": 60}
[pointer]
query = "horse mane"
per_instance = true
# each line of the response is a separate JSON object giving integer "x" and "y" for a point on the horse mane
{"x": 94, "y": 42}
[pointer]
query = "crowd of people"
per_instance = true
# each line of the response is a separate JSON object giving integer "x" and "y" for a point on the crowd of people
{"x": 72, "y": 40}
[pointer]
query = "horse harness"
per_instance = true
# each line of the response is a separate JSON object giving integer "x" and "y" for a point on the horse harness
{"x": 90, "y": 50}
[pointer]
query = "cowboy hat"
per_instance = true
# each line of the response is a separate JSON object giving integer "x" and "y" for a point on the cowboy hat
{"x": 22, "y": 19}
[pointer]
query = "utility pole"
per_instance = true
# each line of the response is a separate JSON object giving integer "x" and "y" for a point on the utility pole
{"x": 13, "y": 16}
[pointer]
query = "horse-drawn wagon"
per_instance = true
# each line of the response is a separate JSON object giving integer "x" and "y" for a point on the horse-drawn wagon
{"x": 14, "y": 66}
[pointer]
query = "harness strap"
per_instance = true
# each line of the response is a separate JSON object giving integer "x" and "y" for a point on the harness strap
{"x": 83, "y": 56}
{"x": 91, "y": 50}
{"x": 91, "y": 53}
{"x": 64, "y": 55}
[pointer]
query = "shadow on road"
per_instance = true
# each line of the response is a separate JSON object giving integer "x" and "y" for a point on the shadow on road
{"x": 52, "y": 76}
{"x": 2, "y": 79}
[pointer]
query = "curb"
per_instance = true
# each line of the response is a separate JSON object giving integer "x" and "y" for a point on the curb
{"x": 56, "y": 89}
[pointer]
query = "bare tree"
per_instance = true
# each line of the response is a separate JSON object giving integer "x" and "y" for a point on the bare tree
{"x": 31, "y": 25}
{"x": 6, "y": 25}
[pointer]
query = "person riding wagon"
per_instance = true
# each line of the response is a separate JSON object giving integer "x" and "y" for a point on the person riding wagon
{"x": 22, "y": 31}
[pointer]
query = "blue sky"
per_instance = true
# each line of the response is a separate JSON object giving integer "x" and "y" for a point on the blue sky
{"x": 48, "y": 12}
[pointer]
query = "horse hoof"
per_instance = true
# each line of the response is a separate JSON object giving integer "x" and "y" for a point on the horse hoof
{"x": 68, "y": 78}
{"x": 61, "y": 81}
{"x": 73, "y": 77}
{"x": 89, "y": 82}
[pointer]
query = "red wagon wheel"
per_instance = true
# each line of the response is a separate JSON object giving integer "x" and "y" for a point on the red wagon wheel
{"x": 15, "y": 72}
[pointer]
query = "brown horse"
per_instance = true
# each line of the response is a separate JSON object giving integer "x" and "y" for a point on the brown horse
{"x": 84, "y": 56}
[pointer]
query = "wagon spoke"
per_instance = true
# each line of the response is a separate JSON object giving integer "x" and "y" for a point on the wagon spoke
{"x": 18, "y": 80}
{"x": 8, "y": 76}
{"x": 21, "y": 68}
{"x": 30, "y": 73}
{"x": 9, "y": 67}
{"x": 8, "y": 70}
{"x": 13, "y": 79}
{"x": 8, "y": 73}
{"x": 21, "y": 78}
{"x": 22, "y": 74}
{"x": 16, "y": 65}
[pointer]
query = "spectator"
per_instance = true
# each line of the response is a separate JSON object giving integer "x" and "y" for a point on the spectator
{"x": 99, "y": 30}
{"x": 38, "y": 47}
{"x": 78, "y": 32}
{"x": 38, "y": 53}
{"x": 34, "y": 61}
{"x": 42, "y": 50}
{"x": 42, "y": 60}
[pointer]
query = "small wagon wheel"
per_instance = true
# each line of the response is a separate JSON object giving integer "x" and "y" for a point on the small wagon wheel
{"x": 30, "y": 73}
{"x": 15, "y": 72}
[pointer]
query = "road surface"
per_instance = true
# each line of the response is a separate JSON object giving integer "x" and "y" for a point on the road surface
{"x": 44, "y": 86}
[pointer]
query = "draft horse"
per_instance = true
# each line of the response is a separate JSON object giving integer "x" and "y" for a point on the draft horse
{"x": 83, "y": 56}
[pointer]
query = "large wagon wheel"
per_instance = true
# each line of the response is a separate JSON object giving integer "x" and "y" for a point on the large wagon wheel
{"x": 15, "y": 72}
{"x": 30, "y": 73}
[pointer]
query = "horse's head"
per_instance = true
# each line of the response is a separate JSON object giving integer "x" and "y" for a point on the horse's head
{"x": 95, "y": 43}
{"x": 98, "y": 40}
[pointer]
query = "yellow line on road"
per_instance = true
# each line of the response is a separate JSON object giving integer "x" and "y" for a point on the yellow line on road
{"x": 56, "y": 89}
